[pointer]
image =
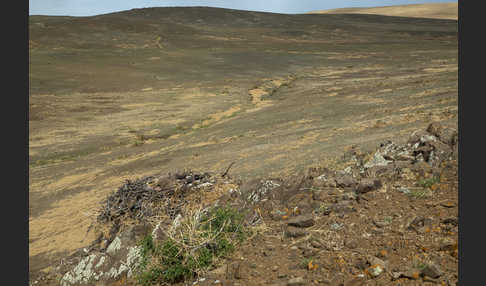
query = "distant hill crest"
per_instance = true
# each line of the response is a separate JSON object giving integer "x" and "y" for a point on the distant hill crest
{"x": 430, "y": 10}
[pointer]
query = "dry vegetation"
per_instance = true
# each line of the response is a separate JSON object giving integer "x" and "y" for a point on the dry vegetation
{"x": 429, "y": 10}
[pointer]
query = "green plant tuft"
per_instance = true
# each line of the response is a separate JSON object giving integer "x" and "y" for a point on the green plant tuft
{"x": 193, "y": 248}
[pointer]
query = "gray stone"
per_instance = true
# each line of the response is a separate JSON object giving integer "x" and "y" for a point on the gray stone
{"x": 403, "y": 190}
{"x": 351, "y": 243}
{"x": 336, "y": 226}
{"x": 372, "y": 260}
{"x": 447, "y": 244}
{"x": 415, "y": 137}
{"x": 368, "y": 185}
{"x": 445, "y": 134}
{"x": 302, "y": 221}
{"x": 114, "y": 246}
{"x": 295, "y": 232}
{"x": 434, "y": 128}
{"x": 296, "y": 281}
{"x": 412, "y": 274}
{"x": 377, "y": 160}
{"x": 431, "y": 270}
{"x": 342, "y": 207}
{"x": 345, "y": 181}
{"x": 375, "y": 270}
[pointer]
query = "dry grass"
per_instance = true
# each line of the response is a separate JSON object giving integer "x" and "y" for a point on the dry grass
{"x": 429, "y": 10}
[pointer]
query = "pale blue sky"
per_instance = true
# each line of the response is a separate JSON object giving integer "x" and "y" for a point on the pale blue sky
{"x": 96, "y": 7}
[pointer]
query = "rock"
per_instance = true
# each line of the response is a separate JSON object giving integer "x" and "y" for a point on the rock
{"x": 367, "y": 185}
{"x": 345, "y": 181}
{"x": 309, "y": 252}
{"x": 377, "y": 161}
{"x": 396, "y": 275}
{"x": 411, "y": 274}
{"x": 296, "y": 281}
{"x": 415, "y": 137}
{"x": 431, "y": 270}
{"x": 445, "y": 134}
{"x": 349, "y": 196}
{"x": 302, "y": 221}
{"x": 403, "y": 190}
{"x": 351, "y": 243}
{"x": 103, "y": 244}
{"x": 380, "y": 223}
{"x": 447, "y": 244}
{"x": 377, "y": 267}
{"x": 275, "y": 268}
{"x": 372, "y": 260}
{"x": 451, "y": 220}
{"x": 404, "y": 157}
{"x": 336, "y": 226}
{"x": 441, "y": 147}
{"x": 114, "y": 246}
{"x": 434, "y": 128}
{"x": 282, "y": 275}
{"x": 448, "y": 204}
{"x": 295, "y": 232}
{"x": 416, "y": 222}
{"x": 375, "y": 270}
{"x": 342, "y": 207}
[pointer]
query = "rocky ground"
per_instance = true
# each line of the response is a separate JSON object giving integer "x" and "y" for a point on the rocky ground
{"x": 388, "y": 217}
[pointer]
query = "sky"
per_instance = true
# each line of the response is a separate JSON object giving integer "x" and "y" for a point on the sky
{"x": 96, "y": 7}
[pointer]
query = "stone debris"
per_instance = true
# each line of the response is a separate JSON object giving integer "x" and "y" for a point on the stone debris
{"x": 295, "y": 232}
{"x": 368, "y": 185}
{"x": 431, "y": 270}
{"x": 328, "y": 219}
{"x": 296, "y": 281}
{"x": 264, "y": 187}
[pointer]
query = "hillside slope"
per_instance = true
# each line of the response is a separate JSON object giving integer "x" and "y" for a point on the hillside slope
{"x": 429, "y": 10}
{"x": 129, "y": 94}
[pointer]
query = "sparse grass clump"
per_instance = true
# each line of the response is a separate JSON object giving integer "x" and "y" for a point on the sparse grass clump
{"x": 425, "y": 188}
{"x": 193, "y": 246}
{"x": 427, "y": 183}
{"x": 419, "y": 194}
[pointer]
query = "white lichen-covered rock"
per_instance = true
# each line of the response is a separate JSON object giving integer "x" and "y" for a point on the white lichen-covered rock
{"x": 134, "y": 258}
{"x": 264, "y": 188}
{"x": 98, "y": 267}
{"x": 85, "y": 271}
{"x": 114, "y": 246}
{"x": 377, "y": 160}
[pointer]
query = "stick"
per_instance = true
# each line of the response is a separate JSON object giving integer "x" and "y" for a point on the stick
{"x": 226, "y": 172}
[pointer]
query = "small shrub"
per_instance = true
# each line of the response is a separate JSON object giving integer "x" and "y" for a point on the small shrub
{"x": 192, "y": 247}
{"x": 427, "y": 183}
